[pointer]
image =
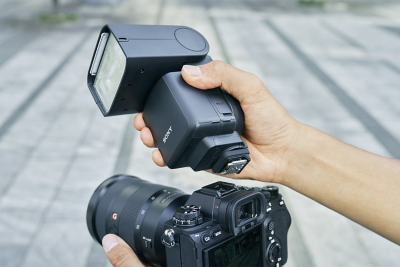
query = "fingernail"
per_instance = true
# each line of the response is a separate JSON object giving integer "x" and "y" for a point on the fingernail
{"x": 110, "y": 241}
{"x": 192, "y": 70}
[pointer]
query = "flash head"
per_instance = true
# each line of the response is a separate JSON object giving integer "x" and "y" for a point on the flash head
{"x": 129, "y": 60}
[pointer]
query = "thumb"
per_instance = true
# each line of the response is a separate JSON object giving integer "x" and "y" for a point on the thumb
{"x": 119, "y": 253}
{"x": 246, "y": 87}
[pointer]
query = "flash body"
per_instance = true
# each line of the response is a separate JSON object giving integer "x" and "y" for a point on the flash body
{"x": 196, "y": 128}
{"x": 221, "y": 224}
{"x": 136, "y": 68}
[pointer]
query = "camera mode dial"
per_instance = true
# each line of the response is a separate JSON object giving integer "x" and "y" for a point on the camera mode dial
{"x": 187, "y": 216}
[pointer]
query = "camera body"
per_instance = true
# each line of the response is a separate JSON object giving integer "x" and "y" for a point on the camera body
{"x": 219, "y": 225}
{"x": 225, "y": 225}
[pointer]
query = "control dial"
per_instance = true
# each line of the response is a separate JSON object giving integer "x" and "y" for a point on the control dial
{"x": 274, "y": 252}
{"x": 187, "y": 216}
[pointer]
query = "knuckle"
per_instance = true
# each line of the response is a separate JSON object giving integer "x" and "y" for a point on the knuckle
{"x": 219, "y": 66}
{"x": 255, "y": 80}
{"x": 120, "y": 258}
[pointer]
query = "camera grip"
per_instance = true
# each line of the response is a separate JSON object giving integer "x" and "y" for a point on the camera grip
{"x": 276, "y": 227}
{"x": 282, "y": 222}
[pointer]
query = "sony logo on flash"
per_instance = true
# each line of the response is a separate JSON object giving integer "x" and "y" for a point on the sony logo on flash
{"x": 167, "y": 134}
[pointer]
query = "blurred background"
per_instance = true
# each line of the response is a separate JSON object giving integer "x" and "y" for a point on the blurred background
{"x": 333, "y": 65}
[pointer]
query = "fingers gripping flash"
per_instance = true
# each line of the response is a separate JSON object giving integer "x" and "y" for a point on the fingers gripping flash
{"x": 136, "y": 68}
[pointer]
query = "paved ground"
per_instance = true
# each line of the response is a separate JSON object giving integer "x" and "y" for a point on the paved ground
{"x": 335, "y": 67}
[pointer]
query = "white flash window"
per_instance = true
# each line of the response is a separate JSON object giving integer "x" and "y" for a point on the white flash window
{"x": 110, "y": 71}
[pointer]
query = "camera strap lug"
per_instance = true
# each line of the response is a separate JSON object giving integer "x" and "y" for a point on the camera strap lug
{"x": 168, "y": 238}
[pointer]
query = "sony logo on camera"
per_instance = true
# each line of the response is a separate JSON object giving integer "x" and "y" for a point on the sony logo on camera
{"x": 167, "y": 134}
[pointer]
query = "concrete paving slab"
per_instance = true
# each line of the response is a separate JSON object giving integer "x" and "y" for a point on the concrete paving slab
{"x": 60, "y": 242}
{"x": 61, "y": 148}
{"x": 11, "y": 254}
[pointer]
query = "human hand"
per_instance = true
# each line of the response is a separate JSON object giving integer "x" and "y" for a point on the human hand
{"x": 119, "y": 253}
{"x": 282, "y": 150}
{"x": 268, "y": 131}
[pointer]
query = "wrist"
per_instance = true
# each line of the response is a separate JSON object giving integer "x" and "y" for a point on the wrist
{"x": 299, "y": 154}
{"x": 277, "y": 161}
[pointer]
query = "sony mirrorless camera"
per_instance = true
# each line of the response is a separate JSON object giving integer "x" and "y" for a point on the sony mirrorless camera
{"x": 136, "y": 68}
{"x": 219, "y": 225}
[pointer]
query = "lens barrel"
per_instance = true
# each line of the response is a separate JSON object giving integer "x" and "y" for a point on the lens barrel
{"x": 135, "y": 210}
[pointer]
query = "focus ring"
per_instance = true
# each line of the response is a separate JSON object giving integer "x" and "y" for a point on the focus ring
{"x": 130, "y": 212}
{"x": 105, "y": 202}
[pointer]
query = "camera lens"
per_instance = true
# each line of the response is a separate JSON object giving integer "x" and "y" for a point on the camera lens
{"x": 135, "y": 210}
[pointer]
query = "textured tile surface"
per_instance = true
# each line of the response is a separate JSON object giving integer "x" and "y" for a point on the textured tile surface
{"x": 60, "y": 148}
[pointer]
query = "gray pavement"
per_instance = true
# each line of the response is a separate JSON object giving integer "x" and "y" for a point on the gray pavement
{"x": 336, "y": 68}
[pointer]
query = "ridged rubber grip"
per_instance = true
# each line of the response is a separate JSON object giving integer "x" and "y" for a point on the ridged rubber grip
{"x": 130, "y": 213}
{"x": 281, "y": 224}
{"x": 105, "y": 202}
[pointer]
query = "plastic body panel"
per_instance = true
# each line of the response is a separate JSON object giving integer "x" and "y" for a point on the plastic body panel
{"x": 151, "y": 51}
{"x": 181, "y": 116}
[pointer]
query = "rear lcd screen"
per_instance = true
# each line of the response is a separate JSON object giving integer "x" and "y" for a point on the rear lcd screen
{"x": 243, "y": 250}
